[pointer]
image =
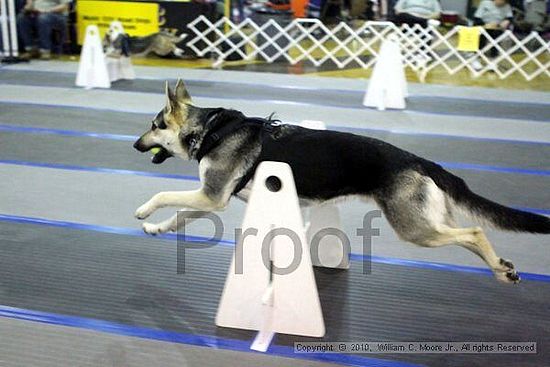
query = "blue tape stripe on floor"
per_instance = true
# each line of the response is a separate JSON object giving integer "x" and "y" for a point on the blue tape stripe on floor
{"x": 332, "y": 127}
{"x": 75, "y": 133}
{"x": 108, "y": 229}
{"x": 155, "y": 174}
{"x": 98, "y": 169}
{"x": 183, "y": 338}
{"x": 533, "y": 210}
{"x": 48, "y": 131}
{"x": 443, "y": 267}
{"x": 171, "y": 236}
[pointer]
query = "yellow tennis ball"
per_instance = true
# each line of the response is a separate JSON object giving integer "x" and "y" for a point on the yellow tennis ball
{"x": 155, "y": 150}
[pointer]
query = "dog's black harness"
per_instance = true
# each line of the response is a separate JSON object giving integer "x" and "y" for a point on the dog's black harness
{"x": 219, "y": 128}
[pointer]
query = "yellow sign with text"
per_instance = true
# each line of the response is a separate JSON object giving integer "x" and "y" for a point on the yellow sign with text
{"x": 468, "y": 39}
{"x": 138, "y": 19}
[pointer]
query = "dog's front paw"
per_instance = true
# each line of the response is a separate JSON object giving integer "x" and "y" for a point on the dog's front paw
{"x": 152, "y": 229}
{"x": 144, "y": 211}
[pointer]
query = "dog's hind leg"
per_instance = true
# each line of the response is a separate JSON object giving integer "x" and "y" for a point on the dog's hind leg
{"x": 420, "y": 213}
{"x": 474, "y": 240}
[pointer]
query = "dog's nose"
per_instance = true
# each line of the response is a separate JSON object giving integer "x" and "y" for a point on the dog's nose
{"x": 137, "y": 145}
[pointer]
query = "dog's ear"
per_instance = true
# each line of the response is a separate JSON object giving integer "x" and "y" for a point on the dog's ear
{"x": 182, "y": 95}
{"x": 170, "y": 98}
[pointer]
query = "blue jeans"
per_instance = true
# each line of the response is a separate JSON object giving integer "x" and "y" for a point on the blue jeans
{"x": 44, "y": 24}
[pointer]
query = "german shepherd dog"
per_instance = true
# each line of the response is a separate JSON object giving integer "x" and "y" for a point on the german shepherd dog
{"x": 418, "y": 197}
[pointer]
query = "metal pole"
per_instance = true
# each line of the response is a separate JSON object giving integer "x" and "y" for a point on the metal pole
{"x": 4, "y": 21}
{"x": 13, "y": 28}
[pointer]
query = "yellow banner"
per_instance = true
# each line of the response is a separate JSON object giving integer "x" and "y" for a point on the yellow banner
{"x": 468, "y": 39}
{"x": 138, "y": 19}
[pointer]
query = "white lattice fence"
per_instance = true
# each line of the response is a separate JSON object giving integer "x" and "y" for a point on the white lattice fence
{"x": 424, "y": 49}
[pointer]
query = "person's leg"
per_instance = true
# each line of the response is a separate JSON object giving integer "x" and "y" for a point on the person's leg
{"x": 25, "y": 25}
{"x": 60, "y": 25}
{"x": 240, "y": 5}
{"x": 45, "y": 24}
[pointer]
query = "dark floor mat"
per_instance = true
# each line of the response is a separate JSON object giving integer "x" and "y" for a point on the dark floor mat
{"x": 133, "y": 280}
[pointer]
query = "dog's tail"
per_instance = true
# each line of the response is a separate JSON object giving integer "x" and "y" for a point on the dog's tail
{"x": 484, "y": 209}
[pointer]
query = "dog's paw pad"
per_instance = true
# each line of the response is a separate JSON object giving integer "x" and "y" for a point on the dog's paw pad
{"x": 509, "y": 277}
{"x": 513, "y": 276}
{"x": 151, "y": 229}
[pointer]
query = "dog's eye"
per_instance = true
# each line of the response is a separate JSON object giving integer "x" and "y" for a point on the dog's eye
{"x": 190, "y": 140}
{"x": 153, "y": 126}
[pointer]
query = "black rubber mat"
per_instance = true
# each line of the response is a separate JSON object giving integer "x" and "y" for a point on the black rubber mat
{"x": 342, "y": 98}
{"x": 536, "y": 156}
{"x": 133, "y": 280}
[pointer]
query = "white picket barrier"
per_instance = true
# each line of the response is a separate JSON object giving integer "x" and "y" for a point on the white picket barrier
{"x": 8, "y": 27}
{"x": 270, "y": 286}
{"x": 423, "y": 49}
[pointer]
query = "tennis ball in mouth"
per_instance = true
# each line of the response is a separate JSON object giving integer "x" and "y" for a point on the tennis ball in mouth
{"x": 155, "y": 150}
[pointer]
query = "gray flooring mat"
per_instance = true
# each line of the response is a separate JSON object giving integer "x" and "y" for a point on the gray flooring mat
{"x": 41, "y": 345}
{"x": 344, "y": 99}
{"x": 132, "y": 280}
{"x": 440, "y": 148}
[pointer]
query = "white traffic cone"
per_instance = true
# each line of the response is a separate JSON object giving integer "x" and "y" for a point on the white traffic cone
{"x": 92, "y": 71}
{"x": 387, "y": 85}
{"x": 119, "y": 67}
{"x": 270, "y": 286}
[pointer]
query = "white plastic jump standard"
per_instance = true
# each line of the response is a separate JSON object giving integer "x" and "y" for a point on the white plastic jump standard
{"x": 118, "y": 67}
{"x": 270, "y": 286}
{"x": 92, "y": 70}
{"x": 388, "y": 85}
